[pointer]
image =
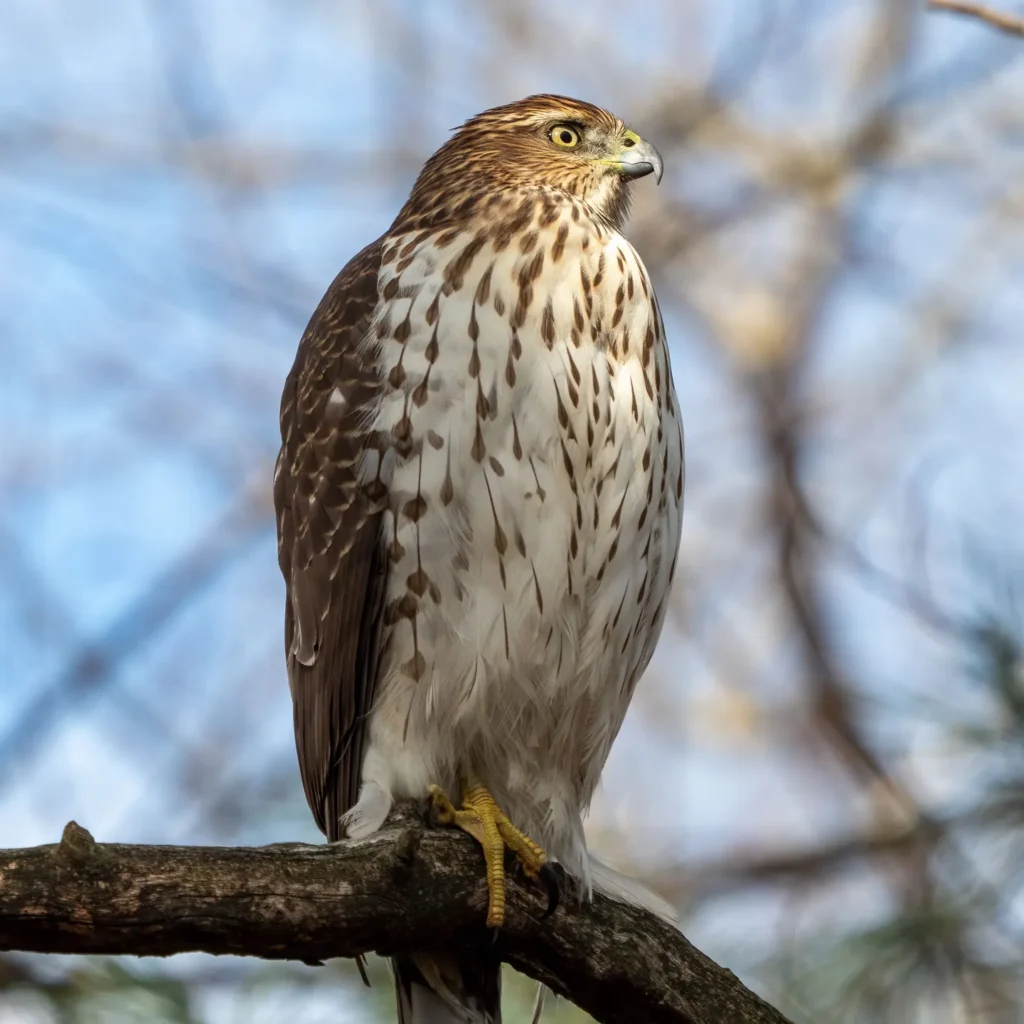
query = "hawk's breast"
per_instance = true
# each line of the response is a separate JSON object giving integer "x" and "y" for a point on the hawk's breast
{"x": 535, "y": 498}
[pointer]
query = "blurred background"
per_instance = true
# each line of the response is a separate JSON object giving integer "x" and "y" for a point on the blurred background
{"x": 824, "y": 766}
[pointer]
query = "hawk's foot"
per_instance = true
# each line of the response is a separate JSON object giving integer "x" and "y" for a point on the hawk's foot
{"x": 481, "y": 817}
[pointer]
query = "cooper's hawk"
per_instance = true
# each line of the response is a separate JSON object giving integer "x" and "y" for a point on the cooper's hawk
{"x": 478, "y": 497}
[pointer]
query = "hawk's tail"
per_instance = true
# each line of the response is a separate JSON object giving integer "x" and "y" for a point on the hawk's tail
{"x": 461, "y": 987}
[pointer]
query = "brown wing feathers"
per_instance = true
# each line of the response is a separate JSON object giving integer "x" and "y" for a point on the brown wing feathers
{"x": 329, "y": 546}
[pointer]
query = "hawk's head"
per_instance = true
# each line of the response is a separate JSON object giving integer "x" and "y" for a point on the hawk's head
{"x": 548, "y": 141}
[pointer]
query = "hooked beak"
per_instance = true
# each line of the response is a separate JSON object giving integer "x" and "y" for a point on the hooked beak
{"x": 639, "y": 159}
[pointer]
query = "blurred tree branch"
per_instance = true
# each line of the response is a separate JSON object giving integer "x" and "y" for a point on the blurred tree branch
{"x": 405, "y": 888}
{"x": 1010, "y": 23}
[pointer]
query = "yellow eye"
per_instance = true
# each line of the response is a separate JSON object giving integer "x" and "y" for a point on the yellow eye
{"x": 565, "y": 136}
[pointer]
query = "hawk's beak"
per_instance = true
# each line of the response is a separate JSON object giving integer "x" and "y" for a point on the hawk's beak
{"x": 639, "y": 159}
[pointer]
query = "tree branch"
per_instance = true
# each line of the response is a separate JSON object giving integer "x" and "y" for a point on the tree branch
{"x": 1009, "y": 23}
{"x": 405, "y": 888}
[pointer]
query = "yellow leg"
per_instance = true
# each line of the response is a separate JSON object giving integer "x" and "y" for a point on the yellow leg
{"x": 481, "y": 817}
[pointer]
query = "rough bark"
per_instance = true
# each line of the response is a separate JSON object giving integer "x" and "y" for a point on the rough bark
{"x": 406, "y": 888}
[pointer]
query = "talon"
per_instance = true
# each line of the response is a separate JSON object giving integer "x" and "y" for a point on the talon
{"x": 481, "y": 817}
{"x": 444, "y": 812}
{"x": 549, "y": 876}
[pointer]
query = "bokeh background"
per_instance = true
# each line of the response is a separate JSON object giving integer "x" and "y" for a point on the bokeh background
{"x": 824, "y": 766}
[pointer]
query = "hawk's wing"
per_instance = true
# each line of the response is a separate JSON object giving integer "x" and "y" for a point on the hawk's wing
{"x": 328, "y": 506}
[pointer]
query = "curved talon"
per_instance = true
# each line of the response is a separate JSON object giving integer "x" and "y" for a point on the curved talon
{"x": 441, "y": 806}
{"x": 549, "y": 876}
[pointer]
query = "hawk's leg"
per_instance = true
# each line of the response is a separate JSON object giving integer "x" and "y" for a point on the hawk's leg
{"x": 481, "y": 817}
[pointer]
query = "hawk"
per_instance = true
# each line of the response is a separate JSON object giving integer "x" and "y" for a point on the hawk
{"x": 478, "y": 495}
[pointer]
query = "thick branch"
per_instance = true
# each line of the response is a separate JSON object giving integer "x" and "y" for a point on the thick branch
{"x": 406, "y": 888}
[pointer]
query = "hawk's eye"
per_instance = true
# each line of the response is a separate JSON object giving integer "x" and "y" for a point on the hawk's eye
{"x": 565, "y": 136}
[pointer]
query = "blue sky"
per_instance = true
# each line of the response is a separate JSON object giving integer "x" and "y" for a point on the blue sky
{"x": 150, "y": 318}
